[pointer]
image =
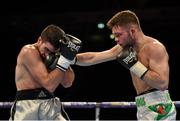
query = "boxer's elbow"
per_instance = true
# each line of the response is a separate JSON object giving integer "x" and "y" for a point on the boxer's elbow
{"x": 162, "y": 85}
{"x": 66, "y": 85}
{"x": 68, "y": 79}
{"x": 67, "y": 82}
{"x": 159, "y": 82}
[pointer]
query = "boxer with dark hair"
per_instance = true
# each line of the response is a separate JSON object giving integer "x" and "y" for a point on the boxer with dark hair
{"x": 36, "y": 80}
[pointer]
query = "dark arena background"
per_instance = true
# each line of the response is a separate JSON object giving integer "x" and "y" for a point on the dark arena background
{"x": 22, "y": 23}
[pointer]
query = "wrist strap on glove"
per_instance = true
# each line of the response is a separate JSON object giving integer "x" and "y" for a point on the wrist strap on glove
{"x": 63, "y": 63}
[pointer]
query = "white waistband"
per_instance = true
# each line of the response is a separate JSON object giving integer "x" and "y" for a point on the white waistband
{"x": 155, "y": 97}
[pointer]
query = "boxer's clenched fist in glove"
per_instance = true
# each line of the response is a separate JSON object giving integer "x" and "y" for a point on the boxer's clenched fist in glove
{"x": 128, "y": 58}
{"x": 69, "y": 47}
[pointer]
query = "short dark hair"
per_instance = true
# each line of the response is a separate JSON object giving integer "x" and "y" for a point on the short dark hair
{"x": 53, "y": 34}
{"x": 123, "y": 18}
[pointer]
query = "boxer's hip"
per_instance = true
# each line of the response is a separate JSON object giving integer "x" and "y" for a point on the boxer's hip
{"x": 36, "y": 104}
{"x": 155, "y": 105}
{"x": 153, "y": 98}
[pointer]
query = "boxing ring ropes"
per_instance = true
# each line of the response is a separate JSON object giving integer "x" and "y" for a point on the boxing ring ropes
{"x": 96, "y": 105}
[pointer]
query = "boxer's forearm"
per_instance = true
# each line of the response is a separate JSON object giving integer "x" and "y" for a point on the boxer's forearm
{"x": 91, "y": 58}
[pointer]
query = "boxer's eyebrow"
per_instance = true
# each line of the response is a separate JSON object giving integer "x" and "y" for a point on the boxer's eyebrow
{"x": 48, "y": 50}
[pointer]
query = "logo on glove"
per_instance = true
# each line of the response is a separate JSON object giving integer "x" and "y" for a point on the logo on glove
{"x": 73, "y": 46}
{"x": 129, "y": 58}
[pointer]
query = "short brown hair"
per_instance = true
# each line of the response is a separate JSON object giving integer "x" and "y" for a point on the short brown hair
{"x": 53, "y": 34}
{"x": 123, "y": 18}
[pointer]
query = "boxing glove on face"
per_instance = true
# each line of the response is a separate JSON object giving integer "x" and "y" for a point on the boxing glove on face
{"x": 128, "y": 58}
{"x": 51, "y": 61}
{"x": 69, "y": 47}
